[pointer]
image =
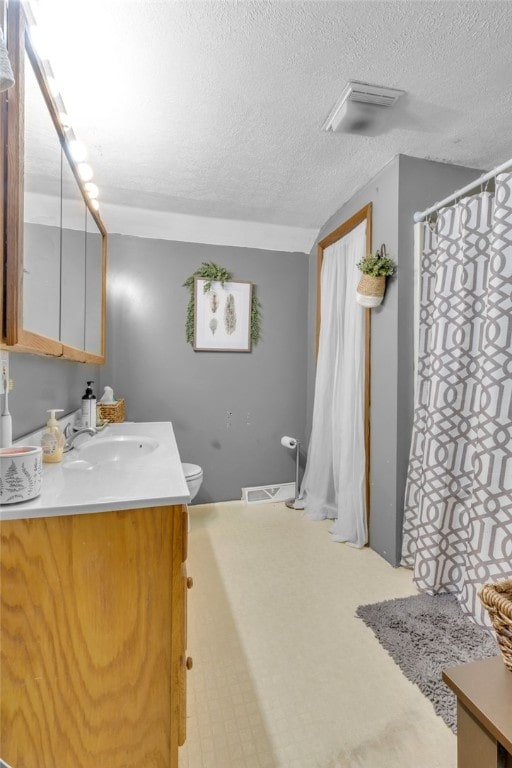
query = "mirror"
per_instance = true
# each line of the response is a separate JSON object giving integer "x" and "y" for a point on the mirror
{"x": 55, "y": 241}
{"x": 42, "y": 214}
{"x": 94, "y": 299}
{"x": 72, "y": 298}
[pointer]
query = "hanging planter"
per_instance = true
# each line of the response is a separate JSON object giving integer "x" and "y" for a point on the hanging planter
{"x": 372, "y": 285}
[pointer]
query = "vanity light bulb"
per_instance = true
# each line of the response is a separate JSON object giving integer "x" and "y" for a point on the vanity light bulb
{"x": 65, "y": 121}
{"x": 78, "y": 151}
{"x": 95, "y": 205}
{"x": 85, "y": 171}
{"x": 53, "y": 86}
{"x": 38, "y": 42}
{"x": 91, "y": 189}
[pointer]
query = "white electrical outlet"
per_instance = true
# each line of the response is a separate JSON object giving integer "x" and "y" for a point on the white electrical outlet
{"x": 5, "y": 416}
{"x": 4, "y": 364}
{"x": 4, "y": 373}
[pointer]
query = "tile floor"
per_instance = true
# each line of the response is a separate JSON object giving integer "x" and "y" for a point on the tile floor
{"x": 284, "y": 675}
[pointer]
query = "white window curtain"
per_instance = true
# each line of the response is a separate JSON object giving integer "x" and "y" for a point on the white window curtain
{"x": 457, "y": 532}
{"x": 334, "y": 481}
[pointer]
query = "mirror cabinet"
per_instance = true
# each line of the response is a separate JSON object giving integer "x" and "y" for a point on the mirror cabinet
{"x": 54, "y": 241}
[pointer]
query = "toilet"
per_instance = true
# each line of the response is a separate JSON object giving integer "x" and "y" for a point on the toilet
{"x": 194, "y": 477}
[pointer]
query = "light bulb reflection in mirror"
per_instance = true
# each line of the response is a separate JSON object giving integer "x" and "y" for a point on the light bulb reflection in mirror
{"x": 78, "y": 150}
{"x": 85, "y": 171}
{"x": 91, "y": 189}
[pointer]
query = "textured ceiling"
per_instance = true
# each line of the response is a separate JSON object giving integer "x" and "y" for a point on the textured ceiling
{"x": 215, "y": 108}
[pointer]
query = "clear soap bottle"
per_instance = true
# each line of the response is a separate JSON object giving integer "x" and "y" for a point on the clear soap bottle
{"x": 52, "y": 439}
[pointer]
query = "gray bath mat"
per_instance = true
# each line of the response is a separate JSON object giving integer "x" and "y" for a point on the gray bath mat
{"x": 424, "y": 635}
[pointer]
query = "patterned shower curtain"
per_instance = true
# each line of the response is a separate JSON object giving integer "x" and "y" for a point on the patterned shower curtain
{"x": 457, "y": 532}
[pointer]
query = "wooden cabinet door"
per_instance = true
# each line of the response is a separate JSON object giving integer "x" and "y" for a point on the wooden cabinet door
{"x": 87, "y": 615}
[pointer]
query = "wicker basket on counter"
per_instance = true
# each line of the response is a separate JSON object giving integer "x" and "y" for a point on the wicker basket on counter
{"x": 113, "y": 412}
{"x": 497, "y": 599}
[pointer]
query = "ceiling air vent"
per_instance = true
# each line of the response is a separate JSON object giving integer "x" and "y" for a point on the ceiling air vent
{"x": 354, "y": 109}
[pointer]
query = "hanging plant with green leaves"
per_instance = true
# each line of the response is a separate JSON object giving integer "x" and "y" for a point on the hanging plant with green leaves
{"x": 212, "y": 273}
{"x": 377, "y": 264}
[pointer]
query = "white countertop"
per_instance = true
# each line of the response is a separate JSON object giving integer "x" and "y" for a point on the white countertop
{"x": 153, "y": 480}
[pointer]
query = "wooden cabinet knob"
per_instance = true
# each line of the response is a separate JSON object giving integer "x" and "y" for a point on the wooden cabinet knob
{"x": 189, "y": 663}
{"x": 190, "y": 582}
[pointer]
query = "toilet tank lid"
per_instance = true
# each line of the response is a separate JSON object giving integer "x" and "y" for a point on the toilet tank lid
{"x": 191, "y": 470}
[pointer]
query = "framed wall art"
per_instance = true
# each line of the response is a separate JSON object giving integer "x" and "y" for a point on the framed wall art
{"x": 222, "y": 316}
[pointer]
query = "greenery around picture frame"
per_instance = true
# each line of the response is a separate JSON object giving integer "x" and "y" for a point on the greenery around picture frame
{"x": 213, "y": 273}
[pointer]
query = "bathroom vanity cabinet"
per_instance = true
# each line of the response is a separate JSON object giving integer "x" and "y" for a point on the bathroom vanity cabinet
{"x": 93, "y": 645}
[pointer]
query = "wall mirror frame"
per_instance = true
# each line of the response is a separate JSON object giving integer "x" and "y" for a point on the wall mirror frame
{"x": 15, "y": 336}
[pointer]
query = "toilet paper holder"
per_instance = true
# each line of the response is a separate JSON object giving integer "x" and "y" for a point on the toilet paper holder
{"x": 294, "y": 444}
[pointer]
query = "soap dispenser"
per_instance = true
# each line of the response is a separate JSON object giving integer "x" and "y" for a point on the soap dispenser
{"x": 89, "y": 407}
{"x": 52, "y": 440}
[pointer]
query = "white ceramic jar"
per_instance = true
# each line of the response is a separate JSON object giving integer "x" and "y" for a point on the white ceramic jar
{"x": 21, "y": 473}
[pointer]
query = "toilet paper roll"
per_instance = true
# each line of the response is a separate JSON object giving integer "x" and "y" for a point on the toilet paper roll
{"x": 288, "y": 442}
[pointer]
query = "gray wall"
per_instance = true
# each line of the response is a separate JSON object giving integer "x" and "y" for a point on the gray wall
{"x": 229, "y": 410}
{"x": 405, "y": 185}
{"x": 41, "y": 383}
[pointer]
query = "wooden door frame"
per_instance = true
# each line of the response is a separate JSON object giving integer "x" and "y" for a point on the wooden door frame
{"x": 364, "y": 214}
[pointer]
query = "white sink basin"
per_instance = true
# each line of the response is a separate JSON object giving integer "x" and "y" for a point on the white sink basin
{"x": 128, "y": 465}
{"x": 120, "y": 448}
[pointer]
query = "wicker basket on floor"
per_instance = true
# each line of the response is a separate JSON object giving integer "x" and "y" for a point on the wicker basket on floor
{"x": 113, "y": 412}
{"x": 497, "y": 599}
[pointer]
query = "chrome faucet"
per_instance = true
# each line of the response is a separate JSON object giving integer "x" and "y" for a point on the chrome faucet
{"x": 70, "y": 437}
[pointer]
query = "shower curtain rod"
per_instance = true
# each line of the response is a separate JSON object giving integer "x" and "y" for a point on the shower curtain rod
{"x": 420, "y": 215}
